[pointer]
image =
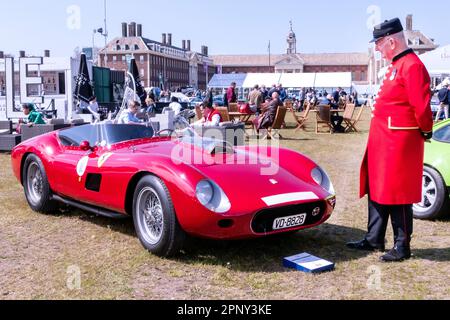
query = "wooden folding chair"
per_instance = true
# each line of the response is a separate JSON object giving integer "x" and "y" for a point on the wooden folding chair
{"x": 233, "y": 107}
{"x": 224, "y": 114}
{"x": 351, "y": 124}
{"x": 323, "y": 118}
{"x": 348, "y": 116}
{"x": 274, "y": 131}
{"x": 301, "y": 119}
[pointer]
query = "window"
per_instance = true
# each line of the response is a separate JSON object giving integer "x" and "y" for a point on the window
{"x": 443, "y": 134}
{"x": 124, "y": 58}
{"x": 118, "y": 47}
{"x": 136, "y": 47}
{"x": 114, "y": 58}
{"x": 141, "y": 58}
{"x": 74, "y": 136}
{"x": 127, "y": 47}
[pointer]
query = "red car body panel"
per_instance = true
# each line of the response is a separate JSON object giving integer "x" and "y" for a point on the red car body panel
{"x": 171, "y": 161}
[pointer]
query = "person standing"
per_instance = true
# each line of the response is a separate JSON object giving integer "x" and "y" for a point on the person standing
{"x": 255, "y": 99}
{"x": 93, "y": 108}
{"x": 391, "y": 172}
{"x": 443, "y": 96}
{"x": 231, "y": 94}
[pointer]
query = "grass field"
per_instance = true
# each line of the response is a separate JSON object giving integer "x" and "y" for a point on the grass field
{"x": 39, "y": 254}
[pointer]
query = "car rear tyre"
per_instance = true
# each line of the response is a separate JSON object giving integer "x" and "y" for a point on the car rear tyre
{"x": 154, "y": 218}
{"x": 36, "y": 186}
{"x": 434, "y": 203}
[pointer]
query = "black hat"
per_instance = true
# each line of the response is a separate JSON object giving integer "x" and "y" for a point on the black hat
{"x": 387, "y": 28}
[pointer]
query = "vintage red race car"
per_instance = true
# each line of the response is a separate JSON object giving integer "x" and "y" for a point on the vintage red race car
{"x": 174, "y": 186}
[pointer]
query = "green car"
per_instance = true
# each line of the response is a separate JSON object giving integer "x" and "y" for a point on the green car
{"x": 436, "y": 175}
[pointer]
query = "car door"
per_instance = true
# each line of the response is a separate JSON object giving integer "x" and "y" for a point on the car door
{"x": 71, "y": 165}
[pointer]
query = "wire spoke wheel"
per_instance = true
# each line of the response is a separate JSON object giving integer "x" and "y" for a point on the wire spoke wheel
{"x": 150, "y": 215}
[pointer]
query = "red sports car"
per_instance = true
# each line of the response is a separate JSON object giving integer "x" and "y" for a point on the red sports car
{"x": 174, "y": 186}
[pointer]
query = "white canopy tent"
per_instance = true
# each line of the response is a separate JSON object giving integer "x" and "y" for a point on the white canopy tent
{"x": 267, "y": 79}
{"x": 298, "y": 80}
{"x": 333, "y": 80}
{"x": 437, "y": 61}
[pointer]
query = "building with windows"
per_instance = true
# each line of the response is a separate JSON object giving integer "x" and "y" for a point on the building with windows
{"x": 293, "y": 62}
{"x": 161, "y": 64}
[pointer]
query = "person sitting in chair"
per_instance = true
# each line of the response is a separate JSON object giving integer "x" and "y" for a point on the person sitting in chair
{"x": 336, "y": 120}
{"x": 269, "y": 113}
{"x": 211, "y": 117}
{"x": 129, "y": 116}
{"x": 34, "y": 117}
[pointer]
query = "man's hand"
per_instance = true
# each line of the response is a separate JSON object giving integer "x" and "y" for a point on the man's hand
{"x": 427, "y": 135}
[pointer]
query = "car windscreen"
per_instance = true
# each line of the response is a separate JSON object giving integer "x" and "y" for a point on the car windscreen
{"x": 74, "y": 136}
{"x": 116, "y": 133}
{"x": 442, "y": 134}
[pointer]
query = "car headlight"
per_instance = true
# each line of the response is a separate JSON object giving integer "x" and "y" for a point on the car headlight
{"x": 322, "y": 179}
{"x": 212, "y": 197}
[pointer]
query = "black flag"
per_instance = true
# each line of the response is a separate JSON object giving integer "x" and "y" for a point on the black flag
{"x": 83, "y": 88}
{"x": 140, "y": 91}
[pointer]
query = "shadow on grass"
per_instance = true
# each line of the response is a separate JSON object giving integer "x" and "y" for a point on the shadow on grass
{"x": 266, "y": 254}
{"x": 433, "y": 254}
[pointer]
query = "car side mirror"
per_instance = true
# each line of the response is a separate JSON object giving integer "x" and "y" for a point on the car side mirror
{"x": 85, "y": 146}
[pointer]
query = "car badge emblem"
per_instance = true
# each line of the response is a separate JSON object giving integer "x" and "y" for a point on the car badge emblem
{"x": 273, "y": 181}
{"x": 316, "y": 212}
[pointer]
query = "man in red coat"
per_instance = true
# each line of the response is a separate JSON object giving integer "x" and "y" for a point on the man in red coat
{"x": 392, "y": 169}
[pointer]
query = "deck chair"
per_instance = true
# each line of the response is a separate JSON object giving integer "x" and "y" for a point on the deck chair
{"x": 348, "y": 116}
{"x": 301, "y": 119}
{"x": 351, "y": 124}
{"x": 224, "y": 114}
{"x": 233, "y": 107}
{"x": 323, "y": 119}
{"x": 274, "y": 131}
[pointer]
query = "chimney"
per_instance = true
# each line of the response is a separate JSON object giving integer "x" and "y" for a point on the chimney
{"x": 124, "y": 30}
{"x": 409, "y": 22}
{"x": 2, "y": 55}
{"x": 188, "y": 46}
{"x": 184, "y": 44}
{"x": 164, "y": 38}
{"x": 206, "y": 51}
{"x": 139, "y": 30}
{"x": 22, "y": 54}
{"x": 169, "y": 41}
{"x": 47, "y": 53}
{"x": 132, "y": 29}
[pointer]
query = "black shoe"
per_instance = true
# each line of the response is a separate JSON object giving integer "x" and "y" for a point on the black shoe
{"x": 364, "y": 245}
{"x": 396, "y": 255}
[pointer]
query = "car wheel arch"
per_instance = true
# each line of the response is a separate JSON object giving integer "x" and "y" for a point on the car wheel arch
{"x": 131, "y": 189}
{"x": 22, "y": 164}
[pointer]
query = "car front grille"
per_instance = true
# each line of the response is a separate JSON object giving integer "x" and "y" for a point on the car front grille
{"x": 263, "y": 221}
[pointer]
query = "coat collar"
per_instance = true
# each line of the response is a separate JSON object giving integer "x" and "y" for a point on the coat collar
{"x": 401, "y": 55}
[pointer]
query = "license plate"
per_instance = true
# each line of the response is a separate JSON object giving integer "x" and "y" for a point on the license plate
{"x": 289, "y": 222}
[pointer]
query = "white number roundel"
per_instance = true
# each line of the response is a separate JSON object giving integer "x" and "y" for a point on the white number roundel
{"x": 82, "y": 165}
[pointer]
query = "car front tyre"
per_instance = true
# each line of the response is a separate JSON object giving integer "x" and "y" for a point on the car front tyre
{"x": 435, "y": 202}
{"x": 36, "y": 186}
{"x": 154, "y": 218}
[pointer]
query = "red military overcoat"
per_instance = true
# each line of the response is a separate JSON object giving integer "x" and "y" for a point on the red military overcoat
{"x": 392, "y": 169}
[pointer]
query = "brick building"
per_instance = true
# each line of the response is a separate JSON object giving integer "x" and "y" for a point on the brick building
{"x": 293, "y": 62}
{"x": 161, "y": 64}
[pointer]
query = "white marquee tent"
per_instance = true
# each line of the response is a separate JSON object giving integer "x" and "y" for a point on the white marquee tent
{"x": 437, "y": 61}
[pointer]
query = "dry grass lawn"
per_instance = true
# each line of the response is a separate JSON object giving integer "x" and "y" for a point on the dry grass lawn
{"x": 38, "y": 252}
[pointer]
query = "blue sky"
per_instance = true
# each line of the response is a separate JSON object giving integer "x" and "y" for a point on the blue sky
{"x": 226, "y": 27}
